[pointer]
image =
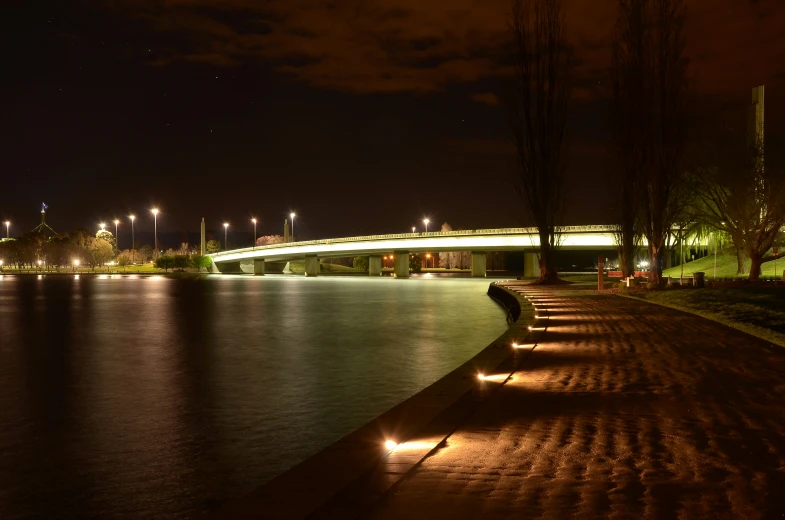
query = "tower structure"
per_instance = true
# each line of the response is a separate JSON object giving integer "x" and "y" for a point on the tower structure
{"x": 758, "y": 147}
{"x": 43, "y": 226}
{"x": 287, "y": 237}
{"x": 203, "y": 248}
{"x": 757, "y": 114}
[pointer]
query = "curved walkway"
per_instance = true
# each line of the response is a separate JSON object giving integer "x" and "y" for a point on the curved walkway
{"x": 622, "y": 410}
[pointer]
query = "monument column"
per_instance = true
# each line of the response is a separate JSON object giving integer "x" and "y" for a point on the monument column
{"x": 203, "y": 248}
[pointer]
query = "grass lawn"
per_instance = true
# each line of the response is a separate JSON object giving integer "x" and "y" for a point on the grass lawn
{"x": 758, "y": 310}
{"x": 131, "y": 269}
{"x": 726, "y": 266}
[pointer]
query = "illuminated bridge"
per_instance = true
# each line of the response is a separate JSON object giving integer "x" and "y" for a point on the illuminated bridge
{"x": 272, "y": 258}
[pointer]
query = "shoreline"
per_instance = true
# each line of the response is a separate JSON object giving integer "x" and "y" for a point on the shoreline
{"x": 335, "y": 480}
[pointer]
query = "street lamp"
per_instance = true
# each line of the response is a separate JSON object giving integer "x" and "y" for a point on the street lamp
{"x": 426, "y": 221}
{"x": 226, "y": 234}
{"x": 7, "y": 225}
{"x": 116, "y": 236}
{"x": 427, "y": 256}
{"x": 254, "y": 232}
{"x": 292, "y": 216}
{"x": 155, "y": 217}
{"x": 102, "y": 226}
{"x": 76, "y": 263}
{"x": 413, "y": 229}
{"x": 133, "y": 241}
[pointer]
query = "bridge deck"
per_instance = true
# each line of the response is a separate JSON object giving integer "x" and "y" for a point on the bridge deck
{"x": 505, "y": 239}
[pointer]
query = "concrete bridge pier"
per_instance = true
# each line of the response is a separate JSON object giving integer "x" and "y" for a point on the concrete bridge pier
{"x": 402, "y": 264}
{"x": 258, "y": 267}
{"x": 228, "y": 267}
{"x": 375, "y": 265}
{"x": 311, "y": 265}
{"x": 479, "y": 262}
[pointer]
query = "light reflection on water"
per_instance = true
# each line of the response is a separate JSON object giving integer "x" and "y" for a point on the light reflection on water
{"x": 161, "y": 397}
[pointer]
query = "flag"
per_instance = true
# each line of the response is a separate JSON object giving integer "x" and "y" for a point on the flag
{"x": 45, "y": 207}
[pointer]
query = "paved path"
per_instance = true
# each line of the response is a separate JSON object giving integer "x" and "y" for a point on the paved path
{"x": 623, "y": 410}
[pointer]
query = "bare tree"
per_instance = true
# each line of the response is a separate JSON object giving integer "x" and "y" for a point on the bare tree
{"x": 744, "y": 199}
{"x": 539, "y": 119}
{"x": 650, "y": 95}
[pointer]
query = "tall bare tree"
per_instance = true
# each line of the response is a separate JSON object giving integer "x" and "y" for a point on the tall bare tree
{"x": 743, "y": 198}
{"x": 650, "y": 95}
{"x": 539, "y": 119}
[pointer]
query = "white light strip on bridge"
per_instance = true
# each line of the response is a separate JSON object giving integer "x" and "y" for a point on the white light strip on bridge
{"x": 583, "y": 237}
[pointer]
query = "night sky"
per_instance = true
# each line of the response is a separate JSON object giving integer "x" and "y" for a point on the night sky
{"x": 363, "y": 116}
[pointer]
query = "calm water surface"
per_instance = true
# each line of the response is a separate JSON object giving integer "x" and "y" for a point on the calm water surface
{"x": 131, "y": 397}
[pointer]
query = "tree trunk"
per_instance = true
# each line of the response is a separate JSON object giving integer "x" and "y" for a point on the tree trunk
{"x": 655, "y": 265}
{"x": 548, "y": 271}
{"x": 755, "y": 264}
{"x": 740, "y": 260}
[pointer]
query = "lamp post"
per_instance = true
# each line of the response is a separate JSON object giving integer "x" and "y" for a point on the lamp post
{"x": 292, "y": 216}
{"x": 116, "y": 236}
{"x": 7, "y": 225}
{"x": 155, "y": 218}
{"x": 76, "y": 263}
{"x": 254, "y": 232}
{"x": 102, "y": 226}
{"x": 426, "y": 221}
{"x": 226, "y": 234}
{"x": 413, "y": 229}
{"x": 133, "y": 241}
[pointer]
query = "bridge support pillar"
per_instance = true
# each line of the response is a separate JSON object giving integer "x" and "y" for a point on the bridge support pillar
{"x": 228, "y": 267}
{"x": 258, "y": 267}
{"x": 374, "y": 265}
{"x": 402, "y": 264}
{"x": 531, "y": 265}
{"x": 311, "y": 265}
{"x": 479, "y": 262}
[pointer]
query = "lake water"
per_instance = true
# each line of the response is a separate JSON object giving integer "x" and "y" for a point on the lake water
{"x": 151, "y": 397}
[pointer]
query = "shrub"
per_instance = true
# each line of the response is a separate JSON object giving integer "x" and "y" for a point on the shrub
{"x": 360, "y": 262}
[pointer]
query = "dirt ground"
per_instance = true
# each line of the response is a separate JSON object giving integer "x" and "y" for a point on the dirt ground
{"x": 623, "y": 410}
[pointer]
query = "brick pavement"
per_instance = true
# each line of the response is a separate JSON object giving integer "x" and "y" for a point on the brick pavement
{"x": 623, "y": 409}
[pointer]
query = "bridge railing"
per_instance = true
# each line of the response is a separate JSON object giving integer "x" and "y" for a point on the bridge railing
{"x": 462, "y": 232}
